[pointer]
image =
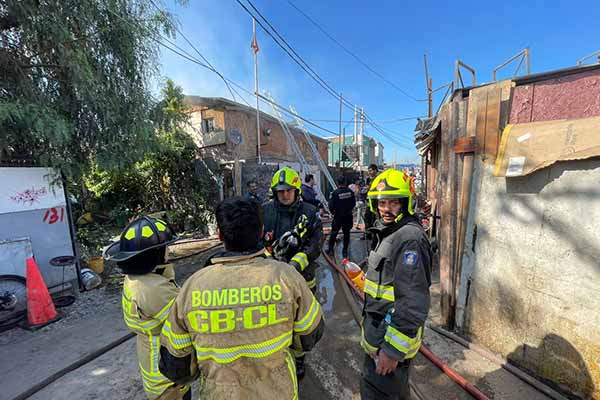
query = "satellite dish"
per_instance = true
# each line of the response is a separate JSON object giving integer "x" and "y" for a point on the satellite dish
{"x": 235, "y": 136}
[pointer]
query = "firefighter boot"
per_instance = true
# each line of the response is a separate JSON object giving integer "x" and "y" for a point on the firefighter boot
{"x": 300, "y": 367}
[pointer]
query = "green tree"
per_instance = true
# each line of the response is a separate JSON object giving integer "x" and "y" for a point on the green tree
{"x": 167, "y": 178}
{"x": 74, "y": 91}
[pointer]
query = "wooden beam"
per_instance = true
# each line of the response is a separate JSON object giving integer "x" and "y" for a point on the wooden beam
{"x": 467, "y": 144}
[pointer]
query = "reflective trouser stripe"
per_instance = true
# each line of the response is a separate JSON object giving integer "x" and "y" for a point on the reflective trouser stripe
{"x": 402, "y": 343}
{"x": 291, "y": 364}
{"x": 302, "y": 260}
{"x": 379, "y": 291}
{"x": 154, "y": 382}
{"x": 177, "y": 341}
{"x": 367, "y": 347}
{"x": 257, "y": 350}
{"x": 307, "y": 321}
{"x": 312, "y": 283}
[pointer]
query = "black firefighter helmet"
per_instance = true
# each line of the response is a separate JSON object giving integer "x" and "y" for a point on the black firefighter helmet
{"x": 141, "y": 235}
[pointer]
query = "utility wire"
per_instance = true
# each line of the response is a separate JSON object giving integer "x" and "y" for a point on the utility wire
{"x": 353, "y": 55}
{"x": 196, "y": 50}
{"x": 281, "y": 42}
{"x": 184, "y": 54}
{"x": 288, "y": 49}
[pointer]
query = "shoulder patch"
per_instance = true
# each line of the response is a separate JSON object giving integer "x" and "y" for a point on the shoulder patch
{"x": 410, "y": 257}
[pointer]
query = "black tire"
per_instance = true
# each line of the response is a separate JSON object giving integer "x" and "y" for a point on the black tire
{"x": 13, "y": 285}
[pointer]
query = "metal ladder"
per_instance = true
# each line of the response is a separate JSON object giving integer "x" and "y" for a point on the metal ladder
{"x": 313, "y": 149}
{"x": 296, "y": 149}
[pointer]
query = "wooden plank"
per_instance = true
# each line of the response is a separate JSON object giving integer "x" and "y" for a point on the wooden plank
{"x": 480, "y": 121}
{"x": 492, "y": 124}
{"x": 445, "y": 209}
{"x": 466, "y": 144}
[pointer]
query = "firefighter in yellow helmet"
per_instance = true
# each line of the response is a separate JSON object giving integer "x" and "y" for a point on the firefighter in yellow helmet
{"x": 396, "y": 288}
{"x": 238, "y": 317}
{"x": 149, "y": 290}
{"x": 293, "y": 232}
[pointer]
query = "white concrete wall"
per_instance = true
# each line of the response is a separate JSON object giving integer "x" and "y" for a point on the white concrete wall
{"x": 530, "y": 287}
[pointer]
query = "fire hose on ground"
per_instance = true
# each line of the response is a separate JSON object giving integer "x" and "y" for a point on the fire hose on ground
{"x": 451, "y": 373}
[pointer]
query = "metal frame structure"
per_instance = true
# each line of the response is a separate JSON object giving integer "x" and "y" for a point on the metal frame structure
{"x": 524, "y": 54}
{"x": 594, "y": 54}
{"x": 458, "y": 76}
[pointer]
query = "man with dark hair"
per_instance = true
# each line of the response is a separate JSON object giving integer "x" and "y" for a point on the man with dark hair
{"x": 341, "y": 204}
{"x": 252, "y": 193}
{"x": 308, "y": 193}
{"x": 237, "y": 319}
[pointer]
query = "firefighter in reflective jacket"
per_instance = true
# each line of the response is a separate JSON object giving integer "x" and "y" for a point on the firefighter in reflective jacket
{"x": 149, "y": 290}
{"x": 293, "y": 232}
{"x": 237, "y": 318}
{"x": 284, "y": 213}
{"x": 396, "y": 289}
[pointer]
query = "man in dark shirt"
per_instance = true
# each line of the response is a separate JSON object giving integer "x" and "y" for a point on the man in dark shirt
{"x": 252, "y": 193}
{"x": 308, "y": 193}
{"x": 341, "y": 204}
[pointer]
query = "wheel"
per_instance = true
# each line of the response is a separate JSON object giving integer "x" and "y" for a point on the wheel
{"x": 13, "y": 298}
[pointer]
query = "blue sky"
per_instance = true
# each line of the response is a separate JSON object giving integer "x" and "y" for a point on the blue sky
{"x": 391, "y": 36}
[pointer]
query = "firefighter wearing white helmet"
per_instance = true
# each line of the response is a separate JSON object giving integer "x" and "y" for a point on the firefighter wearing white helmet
{"x": 396, "y": 288}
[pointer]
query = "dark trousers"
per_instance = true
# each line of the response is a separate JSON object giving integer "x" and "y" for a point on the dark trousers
{"x": 393, "y": 386}
{"x": 345, "y": 224}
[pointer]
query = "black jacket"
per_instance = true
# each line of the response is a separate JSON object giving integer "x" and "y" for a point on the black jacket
{"x": 279, "y": 219}
{"x": 397, "y": 289}
{"x": 342, "y": 202}
{"x": 310, "y": 196}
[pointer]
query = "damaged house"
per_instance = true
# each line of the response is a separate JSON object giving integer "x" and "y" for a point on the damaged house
{"x": 225, "y": 133}
{"x": 513, "y": 172}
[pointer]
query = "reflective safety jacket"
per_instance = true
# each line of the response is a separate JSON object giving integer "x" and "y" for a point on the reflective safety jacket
{"x": 279, "y": 219}
{"x": 239, "y": 318}
{"x": 146, "y": 302}
{"x": 397, "y": 289}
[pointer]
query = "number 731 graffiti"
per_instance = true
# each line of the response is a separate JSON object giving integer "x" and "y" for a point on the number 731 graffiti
{"x": 54, "y": 215}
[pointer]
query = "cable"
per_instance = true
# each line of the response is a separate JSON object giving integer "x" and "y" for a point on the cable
{"x": 195, "y": 49}
{"x": 292, "y": 53}
{"x": 304, "y": 65}
{"x": 353, "y": 55}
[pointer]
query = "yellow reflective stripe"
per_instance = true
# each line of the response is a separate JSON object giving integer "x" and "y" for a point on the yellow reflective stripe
{"x": 291, "y": 364}
{"x": 133, "y": 321}
{"x": 301, "y": 259}
{"x": 379, "y": 291}
{"x": 312, "y": 283}
{"x": 256, "y": 350}
{"x": 309, "y": 318}
{"x": 403, "y": 343}
{"x": 177, "y": 341}
{"x": 364, "y": 344}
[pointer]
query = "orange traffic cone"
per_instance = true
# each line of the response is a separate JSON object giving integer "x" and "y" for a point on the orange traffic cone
{"x": 40, "y": 308}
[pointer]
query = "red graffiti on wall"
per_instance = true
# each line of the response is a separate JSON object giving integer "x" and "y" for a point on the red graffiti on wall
{"x": 29, "y": 196}
{"x": 51, "y": 216}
